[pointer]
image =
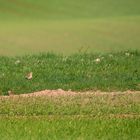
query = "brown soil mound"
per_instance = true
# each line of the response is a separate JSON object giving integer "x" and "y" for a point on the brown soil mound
{"x": 61, "y": 92}
{"x": 58, "y": 92}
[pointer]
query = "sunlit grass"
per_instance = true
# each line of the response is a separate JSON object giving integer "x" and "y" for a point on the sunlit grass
{"x": 69, "y": 36}
{"x": 84, "y": 116}
{"x": 29, "y": 26}
{"x": 72, "y": 105}
{"x": 81, "y": 116}
{"x": 70, "y": 129}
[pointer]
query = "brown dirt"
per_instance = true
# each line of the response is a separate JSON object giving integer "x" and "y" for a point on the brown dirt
{"x": 61, "y": 92}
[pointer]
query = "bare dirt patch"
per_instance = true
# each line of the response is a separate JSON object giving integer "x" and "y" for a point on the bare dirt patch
{"x": 61, "y": 92}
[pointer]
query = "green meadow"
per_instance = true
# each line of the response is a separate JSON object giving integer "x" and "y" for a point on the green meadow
{"x": 79, "y": 72}
{"x": 70, "y": 129}
{"x": 79, "y": 45}
{"x": 67, "y": 27}
{"x": 85, "y": 116}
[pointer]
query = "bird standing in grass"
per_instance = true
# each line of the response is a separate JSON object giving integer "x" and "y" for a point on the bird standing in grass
{"x": 10, "y": 93}
{"x": 29, "y": 76}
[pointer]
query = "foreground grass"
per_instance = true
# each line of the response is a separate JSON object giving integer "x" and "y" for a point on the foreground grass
{"x": 83, "y": 116}
{"x": 119, "y": 71}
{"x": 70, "y": 129}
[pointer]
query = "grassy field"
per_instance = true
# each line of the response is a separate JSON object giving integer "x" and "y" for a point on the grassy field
{"x": 67, "y": 10}
{"x": 83, "y": 116}
{"x": 93, "y": 45}
{"x": 67, "y": 27}
{"x": 107, "y": 72}
{"x": 70, "y": 129}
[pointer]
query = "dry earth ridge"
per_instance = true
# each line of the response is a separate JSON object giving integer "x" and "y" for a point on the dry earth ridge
{"x": 61, "y": 92}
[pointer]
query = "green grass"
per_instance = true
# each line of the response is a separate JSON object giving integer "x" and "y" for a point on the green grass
{"x": 70, "y": 129}
{"x": 117, "y": 71}
{"x": 86, "y": 105}
{"x": 68, "y": 37}
{"x": 85, "y": 116}
{"x": 52, "y": 9}
{"x": 65, "y": 27}
{"x": 99, "y": 27}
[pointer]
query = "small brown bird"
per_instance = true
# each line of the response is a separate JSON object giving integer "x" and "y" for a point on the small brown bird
{"x": 10, "y": 93}
{"x": 29, "y": 76}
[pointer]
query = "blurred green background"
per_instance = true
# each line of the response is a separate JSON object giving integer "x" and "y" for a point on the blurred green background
{"x": 66, "y": 27}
